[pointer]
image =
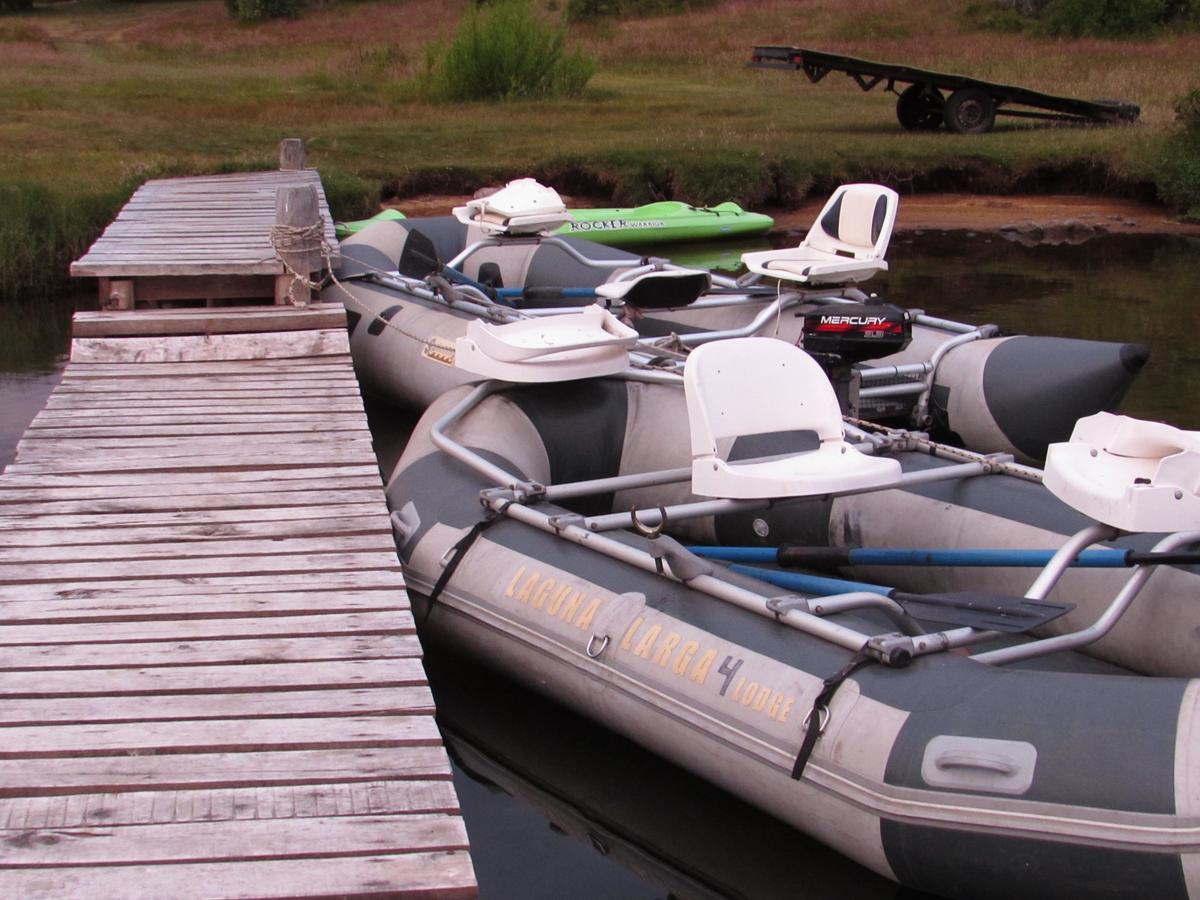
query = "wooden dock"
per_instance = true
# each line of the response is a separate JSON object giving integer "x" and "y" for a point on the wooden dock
{"x": 204, "y": 240}
{"x": 210, "y": 681}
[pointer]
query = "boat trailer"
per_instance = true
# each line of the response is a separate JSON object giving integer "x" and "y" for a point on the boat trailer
{"x": 964, "y": 105}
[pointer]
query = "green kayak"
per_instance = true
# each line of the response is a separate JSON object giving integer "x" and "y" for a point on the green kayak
{"x": 654, "y": 223}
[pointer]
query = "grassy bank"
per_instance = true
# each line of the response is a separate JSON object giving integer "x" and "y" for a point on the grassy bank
{"x": 100, "y": 95}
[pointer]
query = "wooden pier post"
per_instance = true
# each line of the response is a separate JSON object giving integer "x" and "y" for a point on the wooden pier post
{"x": 291, "y": 154}
{"x": 297, "y": 240}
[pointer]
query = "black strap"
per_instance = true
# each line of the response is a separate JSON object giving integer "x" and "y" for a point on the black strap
{"x": 820, "y": 707}
{"x": 459, "y": 550}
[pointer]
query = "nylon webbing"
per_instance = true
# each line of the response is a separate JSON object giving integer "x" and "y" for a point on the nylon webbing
{"x": 459, "y": 550}
{"x": 820, "y": 707}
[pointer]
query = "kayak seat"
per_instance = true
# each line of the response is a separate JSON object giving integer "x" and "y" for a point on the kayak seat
{"x": 1128, "y": 473}
{"x": 489, "y": 274}
{"x": 846, "y": 244}
{"x": 752, "y": 387}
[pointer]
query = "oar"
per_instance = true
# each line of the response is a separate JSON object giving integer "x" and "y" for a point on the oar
{"x": 793, "y": 557}
{"x": 419, "y": 259}
{"x": 973, "y": 609}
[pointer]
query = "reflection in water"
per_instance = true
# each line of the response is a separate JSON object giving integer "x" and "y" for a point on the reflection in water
{"x": 638, "y": 827}
{"x": 643, "y": 828}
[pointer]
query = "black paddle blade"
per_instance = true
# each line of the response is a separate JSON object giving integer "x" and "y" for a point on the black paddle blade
{"x": 987, "y": 612}
{"x": 668, "y": 291}
{"x": 419, "y": 257}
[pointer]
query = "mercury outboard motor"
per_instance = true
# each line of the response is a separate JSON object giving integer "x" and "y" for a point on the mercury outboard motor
{"x": 838, "y": 336}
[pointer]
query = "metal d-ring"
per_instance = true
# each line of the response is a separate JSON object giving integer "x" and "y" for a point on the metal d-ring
{"x": 822, "y": 719}
{"x": 648, "y": 531}
{"x": 595, "y": 654}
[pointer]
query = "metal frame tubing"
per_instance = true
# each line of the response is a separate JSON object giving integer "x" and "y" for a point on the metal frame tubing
{"x": 1109, "y": 618}
{"x": 699, "y": 509}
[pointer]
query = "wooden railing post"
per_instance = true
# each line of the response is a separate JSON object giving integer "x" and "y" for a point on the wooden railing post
{"x": 291, "y": 154}
{"x": 297, "y": 240}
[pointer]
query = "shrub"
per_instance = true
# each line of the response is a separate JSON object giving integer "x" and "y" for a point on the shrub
{"x": 580, "y": 10}
{"x": 259, "y": 10}
{"x": 505, "y": 51}
{"x": 1114, "y": 18}
{"x": 989, "y": 15}
{"x": 1179, "y": 167}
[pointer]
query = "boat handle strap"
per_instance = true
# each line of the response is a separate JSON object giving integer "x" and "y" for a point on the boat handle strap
{"x": 456, "y": 553}
{"x": 818, "y": 717}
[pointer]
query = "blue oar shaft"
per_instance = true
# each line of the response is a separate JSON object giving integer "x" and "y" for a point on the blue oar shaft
{"x": 583, "y": 293}
{"x": 817, "y": 585}
{"x": 1100, "y": 557}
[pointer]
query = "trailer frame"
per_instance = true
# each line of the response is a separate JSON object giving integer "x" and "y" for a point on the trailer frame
{"x": 963, "y": 104}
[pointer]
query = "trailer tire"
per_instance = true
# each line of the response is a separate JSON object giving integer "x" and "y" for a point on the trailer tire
{"x": 970, "y": 111}
{"x": 919, "y": 109}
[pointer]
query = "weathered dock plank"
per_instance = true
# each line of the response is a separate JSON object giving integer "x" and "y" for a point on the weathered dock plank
{"x": 210, "y": 678}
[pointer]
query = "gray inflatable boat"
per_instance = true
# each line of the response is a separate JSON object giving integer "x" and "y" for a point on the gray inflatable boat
{"x": 953, "y": 739}
{"x": 964, "y": 384}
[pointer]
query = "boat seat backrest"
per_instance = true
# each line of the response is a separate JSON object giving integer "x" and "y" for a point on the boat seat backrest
{"x": 858, "y": 220}
{"x": 737, "y": 388}
{"x": 765, "y": 422}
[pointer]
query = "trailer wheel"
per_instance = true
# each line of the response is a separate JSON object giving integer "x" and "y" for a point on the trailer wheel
{"x": 919, "y": 109}
{"x": 970, "y": 111}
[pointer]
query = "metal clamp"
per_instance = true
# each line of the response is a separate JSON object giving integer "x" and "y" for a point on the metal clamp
{"x": 566, "y": 520}
{"x": 786, "y": 603}
{"x": 896, "y": 650}
{"x": 595, "y": 653}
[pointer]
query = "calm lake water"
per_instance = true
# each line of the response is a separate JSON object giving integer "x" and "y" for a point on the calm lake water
{"x": 556, "y": 807}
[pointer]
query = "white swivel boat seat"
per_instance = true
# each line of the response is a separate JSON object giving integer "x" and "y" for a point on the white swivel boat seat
{"x": 846, "y": 244}
{"x": 753, "y": 387}
{"x": 1128, "y": 473}
{"x": 590, "y": 343}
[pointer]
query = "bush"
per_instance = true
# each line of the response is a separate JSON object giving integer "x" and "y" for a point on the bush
{"x": 504, "y": 51}
{"x": 1179, "y": 168}
{"x": 1114, "y": 18}
{"x": 580, "y": 10}
{"x": 260, "y": 10}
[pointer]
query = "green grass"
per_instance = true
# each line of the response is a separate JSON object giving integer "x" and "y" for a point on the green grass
{"x": 100, "y": 95}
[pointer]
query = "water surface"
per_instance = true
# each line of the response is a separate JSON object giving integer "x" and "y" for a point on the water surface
{"x": 557, "y": 807}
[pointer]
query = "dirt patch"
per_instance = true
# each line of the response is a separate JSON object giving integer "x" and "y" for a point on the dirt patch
{"x": 1050, "y": 214}
{"x": 1050, "y": 218}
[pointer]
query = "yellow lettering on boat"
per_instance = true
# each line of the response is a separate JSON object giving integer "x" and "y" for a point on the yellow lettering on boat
{"x": 749, "y": 693}
{"x": 556, "y": 601}
{"x": 572, "y": 607}
{"x": 760, "y": 699}
{"x": 683, "y": 658}
{"x": 589, "y": 613}
{"x": 700, "y": 670}
{"x": 526, "y": 590}
{"x": 783, "y": 711}
{"x": 647, "y": 642}
{"x": 539, "y": 598}
{"x": 512, "y": 585}
{"x": 627, "y": 641}
{"x": 663, "y": 653}
{"x": 773, "y": 706}
{"x": 737, "y": 689}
